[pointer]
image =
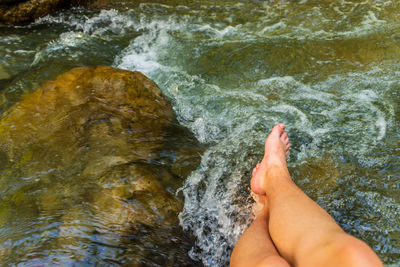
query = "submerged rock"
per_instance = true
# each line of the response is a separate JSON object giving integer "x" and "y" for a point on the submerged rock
{"x": 105, "y": 144}
{"x": 3, "y": 73}
{"x": 24, "y": 11}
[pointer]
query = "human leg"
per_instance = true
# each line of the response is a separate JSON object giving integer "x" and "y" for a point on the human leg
{"x": 255, "y": 247}
{"x": 303, "y": 232}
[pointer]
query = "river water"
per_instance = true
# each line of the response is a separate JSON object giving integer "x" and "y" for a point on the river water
{"x": 329, "y": 70}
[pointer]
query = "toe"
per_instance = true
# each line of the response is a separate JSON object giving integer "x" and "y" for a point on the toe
{"x": 255, "y": 168}
{"x": 286, "y": 141}
{"x": 287, "y": 147}
{"x": 284, "y": 136}
{"x": 278, "y": 129}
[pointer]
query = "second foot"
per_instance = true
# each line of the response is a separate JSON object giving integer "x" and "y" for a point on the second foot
{"x": 276, "y": 149}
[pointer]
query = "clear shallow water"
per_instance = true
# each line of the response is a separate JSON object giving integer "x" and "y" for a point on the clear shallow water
{"x": 329, "y": 70}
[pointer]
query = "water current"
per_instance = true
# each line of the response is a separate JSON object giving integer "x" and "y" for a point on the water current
{"x": 329, "y": 70}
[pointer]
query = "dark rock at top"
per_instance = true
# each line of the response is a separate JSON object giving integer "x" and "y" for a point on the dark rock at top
{"x": 20, "y": 12}
{"x": 11, "y": 1}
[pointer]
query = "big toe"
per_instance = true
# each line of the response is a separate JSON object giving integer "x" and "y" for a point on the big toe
{"x": 278, "y": 129}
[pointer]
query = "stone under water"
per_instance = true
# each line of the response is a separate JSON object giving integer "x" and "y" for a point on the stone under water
{"x": 100, "y": 153}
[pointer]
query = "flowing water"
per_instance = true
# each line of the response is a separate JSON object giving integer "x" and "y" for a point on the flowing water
{"x": 329, "y": 70}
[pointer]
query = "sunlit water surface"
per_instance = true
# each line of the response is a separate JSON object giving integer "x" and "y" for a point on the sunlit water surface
{"x": 329, "y": 70}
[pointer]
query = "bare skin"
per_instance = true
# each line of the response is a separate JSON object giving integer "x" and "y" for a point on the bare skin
{"x": 255, "y": 247}
{"x": 292, "y": 228}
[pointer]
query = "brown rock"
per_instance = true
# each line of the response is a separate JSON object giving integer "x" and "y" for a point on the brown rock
{"x": 140, "y": 198}
{"x": 3, "y": 2}
{"x": 100, "y": 106}
{"x": 98, "y": 136}
{"x": 19, "y": 12}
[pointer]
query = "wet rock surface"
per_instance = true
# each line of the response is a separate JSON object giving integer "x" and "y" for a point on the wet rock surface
{"x": 20, "y": 11}
{"x": 10, "y": 1}
{"x": 100, "y": 155}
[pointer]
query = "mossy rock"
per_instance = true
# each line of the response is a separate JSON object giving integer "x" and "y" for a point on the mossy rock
{"x": 107, "y": 138}
{"x": 89, "y": 107}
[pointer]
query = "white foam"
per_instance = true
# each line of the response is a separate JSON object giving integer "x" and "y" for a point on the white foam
{"x": 272, "y": 28}
{"x": 68, "y": 39}
{"x": 233, "y": 122}
{"x": 104, "y": 22}
{"x": 344, "y": 112}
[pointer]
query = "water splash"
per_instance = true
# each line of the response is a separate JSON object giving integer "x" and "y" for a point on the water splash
{"x": 232, "y": 72}
{"x": 327, "y": 116}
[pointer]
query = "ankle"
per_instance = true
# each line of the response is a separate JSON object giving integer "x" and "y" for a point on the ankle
{"x": 276, "y": 178}
{"x": 277, "y": 173}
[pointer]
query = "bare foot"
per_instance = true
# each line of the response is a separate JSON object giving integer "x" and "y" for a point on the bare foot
{"x": 260, "y": 207}
{"x": 276, "y": 149}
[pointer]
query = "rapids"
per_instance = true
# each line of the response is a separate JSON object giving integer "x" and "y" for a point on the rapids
{"x": 329, "y": 70}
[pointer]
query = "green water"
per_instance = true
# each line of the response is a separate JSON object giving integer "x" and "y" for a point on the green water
{"x": 329, "y": 70}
